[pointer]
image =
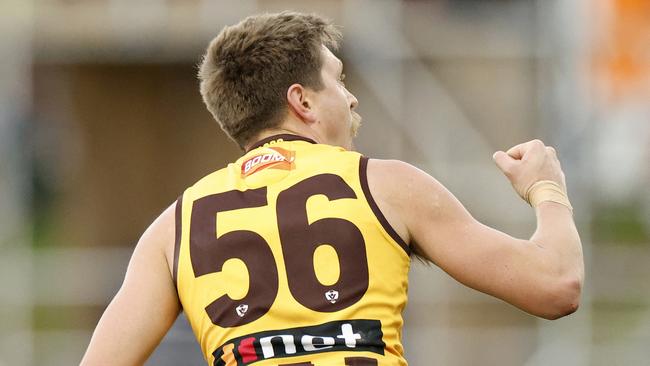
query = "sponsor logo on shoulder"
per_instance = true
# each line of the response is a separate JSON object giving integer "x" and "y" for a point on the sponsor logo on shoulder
{"x": 271, "y": 157}
{"x": 360, "y": 335}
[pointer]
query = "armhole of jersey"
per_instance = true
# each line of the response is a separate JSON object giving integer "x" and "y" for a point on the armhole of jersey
{"x": 363, "y": 177}
{"x": 178, "y": 236}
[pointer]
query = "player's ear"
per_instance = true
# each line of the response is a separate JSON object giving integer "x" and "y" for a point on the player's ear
{"x": 301, "y": 103}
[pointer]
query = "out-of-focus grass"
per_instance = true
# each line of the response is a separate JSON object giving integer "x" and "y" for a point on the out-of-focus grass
{"x": 619, "y": 224}
{"x": 62, "y": 317}
{"x": 616, "y": 321}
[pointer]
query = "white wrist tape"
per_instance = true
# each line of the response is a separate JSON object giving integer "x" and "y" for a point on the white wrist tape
{"x": 547, "y": 190}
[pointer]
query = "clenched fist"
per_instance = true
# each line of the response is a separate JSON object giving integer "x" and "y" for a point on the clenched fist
{"x": 528, "y": 163}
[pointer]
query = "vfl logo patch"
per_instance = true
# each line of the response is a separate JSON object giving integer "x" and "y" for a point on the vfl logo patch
{"x": 271, "y": 157}
{"x": 347, "y": 335}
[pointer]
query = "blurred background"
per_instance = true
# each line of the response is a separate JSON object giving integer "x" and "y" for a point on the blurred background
{"x": 102, "y": 126}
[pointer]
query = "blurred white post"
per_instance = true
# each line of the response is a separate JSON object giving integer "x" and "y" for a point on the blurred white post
{"x": 16, "y": 341}
{"x": 565, "y": 124}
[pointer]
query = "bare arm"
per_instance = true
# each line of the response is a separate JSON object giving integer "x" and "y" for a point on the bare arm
{"x": 144, "y": 308}
{"x": 542, "y": 275}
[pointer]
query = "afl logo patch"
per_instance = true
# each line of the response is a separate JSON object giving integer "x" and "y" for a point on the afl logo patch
{"x": 241, "y": 310}
{"x": 332, "y": 296}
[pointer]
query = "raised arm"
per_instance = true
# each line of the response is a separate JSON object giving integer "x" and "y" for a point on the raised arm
{"x": 542, "y": 276}
{"x": 146, "y": 305}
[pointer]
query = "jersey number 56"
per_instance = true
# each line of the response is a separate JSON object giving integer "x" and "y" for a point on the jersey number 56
{"x": 299, "y": 240}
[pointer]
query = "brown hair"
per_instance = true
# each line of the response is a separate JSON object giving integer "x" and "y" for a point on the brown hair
{"x": 248, "y": 67}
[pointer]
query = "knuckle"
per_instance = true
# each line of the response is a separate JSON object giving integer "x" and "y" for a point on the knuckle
{"x": 537, "y": 143}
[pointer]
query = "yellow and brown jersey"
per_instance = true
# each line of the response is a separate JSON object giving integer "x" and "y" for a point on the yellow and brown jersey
{"x": 283, "y": 258}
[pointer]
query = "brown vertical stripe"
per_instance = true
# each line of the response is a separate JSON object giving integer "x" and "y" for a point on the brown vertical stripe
{"x": 177, "y": 241}
{"x": 363, "y": 177}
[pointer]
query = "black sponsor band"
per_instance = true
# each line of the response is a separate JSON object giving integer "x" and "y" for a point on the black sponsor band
{"x": 348, "y": 335}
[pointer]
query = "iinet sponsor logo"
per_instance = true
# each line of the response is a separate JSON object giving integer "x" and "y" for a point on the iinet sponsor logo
{"x": 351, "y": 335}
{"x": 272, "y": 157}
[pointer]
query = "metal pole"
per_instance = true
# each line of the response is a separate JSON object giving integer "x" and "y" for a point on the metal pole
{"x": 16, "y": 338}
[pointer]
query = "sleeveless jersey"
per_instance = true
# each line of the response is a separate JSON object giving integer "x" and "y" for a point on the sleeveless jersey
{"x": 283, "y": 258}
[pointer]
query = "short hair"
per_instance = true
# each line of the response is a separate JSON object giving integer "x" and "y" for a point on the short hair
{"x": 248, "y": 68}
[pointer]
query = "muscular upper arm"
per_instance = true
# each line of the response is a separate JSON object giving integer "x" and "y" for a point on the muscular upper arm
{"x": 437, "y": 225}
{"x": 146, "y": 305}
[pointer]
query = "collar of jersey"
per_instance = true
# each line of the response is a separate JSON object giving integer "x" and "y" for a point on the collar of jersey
{"x": 283, "y": 137}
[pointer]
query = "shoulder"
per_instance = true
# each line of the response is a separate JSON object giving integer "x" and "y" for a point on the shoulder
{"x": 398, "y": 179}
{"x": 163, "y": 227}
{"x": 407, "y": 195}
{"x": 160, "y": 235}
{"x": 390, "y": 185}
{"x": 216, "y": 177}
{"x": 381, "y": 167}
